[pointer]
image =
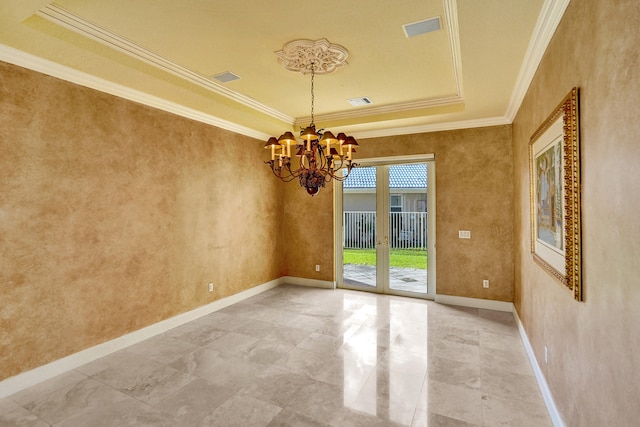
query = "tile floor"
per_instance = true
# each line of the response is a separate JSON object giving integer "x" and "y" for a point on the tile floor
{"x": 296, "y": 356}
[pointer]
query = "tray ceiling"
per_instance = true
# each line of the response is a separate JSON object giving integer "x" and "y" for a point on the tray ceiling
{"x": 166, "y": 54}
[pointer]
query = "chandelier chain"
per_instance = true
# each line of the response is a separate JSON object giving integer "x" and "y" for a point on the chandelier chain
{"x": 313, "y": 75}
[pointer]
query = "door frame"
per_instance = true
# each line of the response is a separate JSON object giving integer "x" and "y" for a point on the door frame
{"x": 431, "y": 225}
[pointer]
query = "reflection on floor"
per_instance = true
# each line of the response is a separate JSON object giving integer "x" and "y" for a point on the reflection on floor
{"x": 400, "y": 279}
{"x": 295, "y": 356}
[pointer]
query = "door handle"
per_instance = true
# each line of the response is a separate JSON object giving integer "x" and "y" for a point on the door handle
{"x": 386, "y": 241}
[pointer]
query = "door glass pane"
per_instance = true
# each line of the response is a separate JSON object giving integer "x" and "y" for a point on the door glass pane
{"x": 408, "y": 228}
{"x": 359, "y": 228}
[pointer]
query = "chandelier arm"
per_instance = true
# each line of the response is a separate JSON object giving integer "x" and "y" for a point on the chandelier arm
{"x": 278, "y": 171}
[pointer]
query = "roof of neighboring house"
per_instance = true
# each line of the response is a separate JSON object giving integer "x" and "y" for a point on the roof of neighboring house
{"x": 400, "y": 176}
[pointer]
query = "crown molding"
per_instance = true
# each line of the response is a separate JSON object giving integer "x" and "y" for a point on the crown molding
{"x": 382, "y": 109}
{"x": 451, "y": 14}
{"x": 31, "y": 62}
{"x": 60, "y": 16}
{"x": 548, "y": 21}
{"x": 436, "y": 127}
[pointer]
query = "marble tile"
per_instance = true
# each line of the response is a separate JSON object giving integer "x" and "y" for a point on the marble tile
{"x": 232, "y": 343}
{"x": 457, "y": 335}
{"x": 222, "y": 321}
{"x": 498, "y": 324}
{"x": 429, "y": 419}
{"x": 326, "y": 311}
{"x": 382, "y": 337}
{"x": 403, "y": 361}
{"x": 242, "y": 411}
{"x": 510, "y": 412}
{"x": 505, "y": 317}
{"x": 242, "y": 309}
{"x": 310, "y": 323}
{"x": 265, "y": 352}
{"x": 269, "y": 332}
{"x": 318, "y": 400}
{"x": 392, "y": 386}
{"x": 218, "y": 368}
{"x": 423, "y": 398}
{"x": 460, "y": 403}
{"x": 385, "y": 408}
{"x": 512, "y": 360}
{"x": 127, "y": 412}
{"x": 8, "y": 405}
{"x": 453, "y": 372}
{"x": 302, "y": 361}
{"x": 280, "y": 303}
{"x": 347, "y": 372}
{"x": 162, "y": 349}
{"x": 420, "y": 419}
{"x": 363, "y": 347}
{"x": 275, "y": 385}
{"x": 323, "y": 344}
{"x": 353, "y": 418}
{"x": 500, "y": 341}
{"x": 412, "y": 343}
{"x": 457, "y": 351}
{"x": 137, "y": 376}
{"x": 288, "y": 418}
{"x": 272, "y": 315}
{"x": 458, "y": 322}
{"x": 20, "y": 417}
{"x": 72, "y": 399}
{"x": 32, "y": 394}
{"x": 197, "y": 333}
{"x": 195, "y": 401}
{"x": 510, "y": 385}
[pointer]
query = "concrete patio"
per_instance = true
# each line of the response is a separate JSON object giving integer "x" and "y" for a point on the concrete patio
{"x": 400, "y": 279}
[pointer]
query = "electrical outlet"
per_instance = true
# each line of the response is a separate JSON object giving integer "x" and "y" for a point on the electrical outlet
{"x": 485, "y": 283}
{"x": 317, "y": 267}
{"x": 211, "y": 287}
{"x": 464, "y": 234}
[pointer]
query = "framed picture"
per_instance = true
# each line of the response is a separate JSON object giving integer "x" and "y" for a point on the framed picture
{"x": 554, "y": 169}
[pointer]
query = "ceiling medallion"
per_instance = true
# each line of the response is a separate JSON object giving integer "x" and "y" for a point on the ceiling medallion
{"x": 322, "y": 156}
{"x": 320, "y": 55}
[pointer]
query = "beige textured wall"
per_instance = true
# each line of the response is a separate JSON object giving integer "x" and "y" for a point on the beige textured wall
{"x": 474, "y": 191}
{"x": 114, "y": 216}
{"x": 308, "y": 233}
{"x": 593, "y": 346}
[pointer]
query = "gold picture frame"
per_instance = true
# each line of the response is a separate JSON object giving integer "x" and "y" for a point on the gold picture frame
{"x": 554, "y": 182}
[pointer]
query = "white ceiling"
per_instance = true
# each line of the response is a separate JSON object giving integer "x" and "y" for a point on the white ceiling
{"x": 472, "y": 72}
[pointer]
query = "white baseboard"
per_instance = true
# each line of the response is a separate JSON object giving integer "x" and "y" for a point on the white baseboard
{"x": 27, "y": 379}
{"x": 315, "y": 283}
{"x": 556, "y": 419}
{"x": 474, "y": 302}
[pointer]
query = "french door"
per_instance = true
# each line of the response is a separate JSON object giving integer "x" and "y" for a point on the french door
{"x": 385, "y": 232}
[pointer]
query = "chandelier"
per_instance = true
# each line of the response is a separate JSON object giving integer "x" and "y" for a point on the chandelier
{"x": 321, "y": 155}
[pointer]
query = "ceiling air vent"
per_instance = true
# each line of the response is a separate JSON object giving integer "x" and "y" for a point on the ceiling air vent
{"x": 422, "y": 27}
{"x": 358, "y": 102}
{"x": 225, "y": 77}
